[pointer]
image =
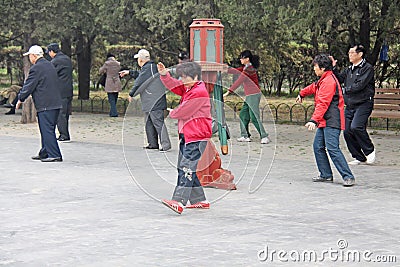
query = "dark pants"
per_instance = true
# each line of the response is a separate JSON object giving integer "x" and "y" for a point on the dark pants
{"x": 155, "y": 128}
{"x": 112, "y": 99}
{"x": 47, "y": 125}
{"x": 63, "y": 117}
{"x": 355, "y": 134}
{"x": 189, "y": 187}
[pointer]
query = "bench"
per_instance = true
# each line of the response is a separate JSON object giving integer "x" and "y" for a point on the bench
{"x": 386, "y": 104}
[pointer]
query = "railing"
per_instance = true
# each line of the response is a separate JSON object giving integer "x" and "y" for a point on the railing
{"x": 280, "y": 113}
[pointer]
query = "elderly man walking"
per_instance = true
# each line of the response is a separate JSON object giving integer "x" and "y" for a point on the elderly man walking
{"x": 43, "y": 84}
{"x": 154, "y": 102}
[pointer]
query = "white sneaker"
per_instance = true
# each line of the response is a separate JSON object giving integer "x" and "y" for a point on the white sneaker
{"x": 371, "y": 158}
{"x": 355, "y": 162}
{"x": 244, "y": 139}
{"x": 265, "y": 140}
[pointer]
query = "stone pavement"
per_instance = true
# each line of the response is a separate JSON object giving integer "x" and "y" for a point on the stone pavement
{"x": 100, "y": 207}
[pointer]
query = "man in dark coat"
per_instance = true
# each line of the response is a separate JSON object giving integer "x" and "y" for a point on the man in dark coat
{"x": 43, "y": 83}
{"x": 63, "y": 65}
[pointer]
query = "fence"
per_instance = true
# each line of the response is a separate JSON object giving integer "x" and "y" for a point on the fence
{"x": 280, "y": 113}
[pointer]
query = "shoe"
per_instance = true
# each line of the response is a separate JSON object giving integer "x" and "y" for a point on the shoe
{"x": 173, "y": 205}
{"x": 244, "y": 139}
{"x": 8, "y": 106}
{"x": 3, "y": 101}
{"x": 150, "y": 147}
{"x": 36, "y": 157}
{"x": 11, "y": 112}
{"x": 355, "y": 162}
{"x": 63, "y": 139}
{"x": 265, "y": 140}
{"x": 199, "y": 205}
{"x": 164, "y": 150}
{"x": 371, "y": 158}
{"x": 51, "y": 160}
{"x": 349, "y": 182}
{"x": 321, "y": 179}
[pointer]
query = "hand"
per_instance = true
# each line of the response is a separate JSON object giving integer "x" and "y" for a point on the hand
{"x": 169, "y": 109}
{"x": 18, "y": 105}
{"x": 130, "y": 99}
{"x": 162, "y": 69}
{"x": 226, "y": 94}
{"x": 334, "y": 61}
{"x": 310, "y": 125}
{"x": 299, "y": 99}
{"x": 122, "y": 73}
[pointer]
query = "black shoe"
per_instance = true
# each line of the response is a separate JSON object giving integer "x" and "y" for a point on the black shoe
{"x": 8, "y": 106}
{"x": 165, "y": 150}
{"x": 349, "y": 182}
{"x": 11, "y": 112}
{"x": 63, "y": 139}
{"x": 150, "y": 147}
{"x": 3, "y": 101}
{"x": 321, "y": 179}
{"x": 36, "y": 157}
{"x": 51, "y": 159}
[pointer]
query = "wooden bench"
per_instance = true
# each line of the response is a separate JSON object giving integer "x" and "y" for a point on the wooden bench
{"x": 386, "y": 104}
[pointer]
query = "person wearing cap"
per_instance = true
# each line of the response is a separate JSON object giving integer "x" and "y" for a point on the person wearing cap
{"x": 152, "y": 96}
{"x": 43, "y": 83}
{"x": 113, "y": 84}
{"x": 63, "y": 65}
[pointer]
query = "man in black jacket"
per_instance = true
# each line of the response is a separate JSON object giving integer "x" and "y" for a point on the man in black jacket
{"x": 43, "y": 84}
{"x": 152, "y": 96}
{"x": 359, "y": 91}
{"x": 63, "y": 65}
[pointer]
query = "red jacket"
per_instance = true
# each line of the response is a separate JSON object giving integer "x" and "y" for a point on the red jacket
{"x": 193, "y": 112}
{"x": 248, "y": 77}
{"x": 329, "y": 103}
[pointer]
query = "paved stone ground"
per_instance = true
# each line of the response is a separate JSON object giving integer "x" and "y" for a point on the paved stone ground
{"x": 100, "y": 207}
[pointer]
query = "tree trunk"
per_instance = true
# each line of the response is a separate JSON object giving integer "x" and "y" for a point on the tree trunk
{"x": 381, "y": 33}
{"x": 28, "y": 108}
{"x": 365, "y": 25}
{"x": 66, "y": 45}
{"x": 83, "y": 53}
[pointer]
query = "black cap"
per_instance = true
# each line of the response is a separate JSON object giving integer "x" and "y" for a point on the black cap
{"x": 183, "y": 55}
{"x": 53, "y": 47}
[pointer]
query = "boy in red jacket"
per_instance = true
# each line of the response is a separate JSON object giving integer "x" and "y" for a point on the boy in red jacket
{"x": 194, "y": 126}
{"x": 328, "y": 116}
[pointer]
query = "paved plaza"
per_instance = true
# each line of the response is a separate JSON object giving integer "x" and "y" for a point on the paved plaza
{"x": 101, "y": 205}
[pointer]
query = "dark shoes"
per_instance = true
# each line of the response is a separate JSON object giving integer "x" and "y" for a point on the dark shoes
{"x": 8, "y": 106}
{"x": 162, "y": 150}
{"x": 36, "y": 157}
{"x": 151, "y": 147}
{"x": 63, "y": 139}
{"x": 51, "y": 160}
{"x": 11, "y": 112}
{"x": 321, "y": 179}
{"x": 349, "y": 182}
{"x": 46, "y": 159}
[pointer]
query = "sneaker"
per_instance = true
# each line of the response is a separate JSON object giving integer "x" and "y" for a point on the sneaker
{"x": 244, "y": 139}
{"x": 173, "y": 205}
{"x": 355, "y": 162}
{"x": 63, "y": 139}
{"x": 349, "y": 182}
{"x": 199, "y": 205}
{"x": 163, "y": 150}
{"x": 265, "y": 140}
{"x": 321, "y": 179}
{"x": 371, "y": 158}
{"x": 11, "y": 112}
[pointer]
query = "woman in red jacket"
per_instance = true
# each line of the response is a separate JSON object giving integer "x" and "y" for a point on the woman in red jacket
{"x": 251, "y": 106}
{"x": 328, "y": 116}
{"x": 194, "y": 126}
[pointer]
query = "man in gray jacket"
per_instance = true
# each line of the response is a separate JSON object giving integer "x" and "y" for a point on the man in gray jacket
{"x": 152, "y": 96}
{"x": 63, "y": 65}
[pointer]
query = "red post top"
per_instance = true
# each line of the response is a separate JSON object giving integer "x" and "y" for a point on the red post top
{"x": 208, "y": 23}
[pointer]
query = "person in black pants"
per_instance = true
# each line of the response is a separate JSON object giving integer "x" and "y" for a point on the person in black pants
{"x": 63, "y": 65}
{"x": 359, "y": 91}
{"x": 43, "y": 83}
